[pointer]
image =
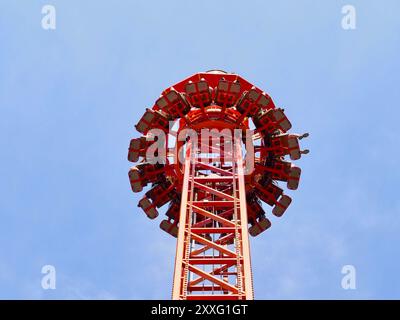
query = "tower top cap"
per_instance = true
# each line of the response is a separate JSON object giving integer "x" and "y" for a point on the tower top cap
{"x": 216, "y": 71}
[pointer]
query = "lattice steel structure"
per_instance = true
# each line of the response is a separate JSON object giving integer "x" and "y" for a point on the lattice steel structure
{"x": 214, "y": 173}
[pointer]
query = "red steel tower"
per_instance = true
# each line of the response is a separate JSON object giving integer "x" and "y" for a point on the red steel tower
{"x": 214, "y": 147}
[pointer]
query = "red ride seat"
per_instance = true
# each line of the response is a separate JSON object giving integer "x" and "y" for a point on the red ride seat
{"x": 174, "y": 104}
{"x": 271, "y": 120}
{"x": 145, "y": 173}
{"x": 259, "y": 226}
{"x": 286, "y": 144}
{"x": 199, "y": 93}
{"x": 252, "y": 102}
{"x": 283, "y": 171}
{"x": 294, "y": 178}
{"x": 169, "y": 227}
{"x": 227, "y": 93}
{"x": 148, "y": 208}
{"x": 280, "y": 208}
{"x": 254, "y": 209}
{"x": 159, "y": 195}
{"x": 293, "y": 147}
{"x": 153, "y": 119}
{"x": 136, "y": 149}
{"x": 173, "y": 211}
{"x": 273, "y": 195}
{"x": 135, "y": 179}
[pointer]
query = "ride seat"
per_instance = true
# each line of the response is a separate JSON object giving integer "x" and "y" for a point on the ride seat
{"x": 135, "y": 149}
{"x": 148, "y": 208}
{"x": 174, "y": 104}
{"x": 227, "y": 93}
{"x": 169, "y": 227}
{"x": 279, "y": 209}
{"x": 271, "y": 120}
{"x": 294, "y": 178}
{"x": 152, "y": 119}
{"x": 294, "y": 147}
{"x": 199, "y": 93}
{"x": 260, "y": 226}
{"x": 135, "y": 179}
{"x": 252, "y": 102}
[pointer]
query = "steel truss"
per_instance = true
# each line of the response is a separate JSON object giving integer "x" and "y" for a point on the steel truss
{"x": 213, "y": 254}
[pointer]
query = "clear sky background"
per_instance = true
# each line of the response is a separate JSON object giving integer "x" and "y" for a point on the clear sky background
{"x": 69, "y": 99}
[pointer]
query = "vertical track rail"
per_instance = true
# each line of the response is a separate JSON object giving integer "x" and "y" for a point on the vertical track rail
{"x": 212, "y": 254}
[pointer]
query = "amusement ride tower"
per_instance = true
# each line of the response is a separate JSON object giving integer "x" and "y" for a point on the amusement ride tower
{"x": 214, "y": 147}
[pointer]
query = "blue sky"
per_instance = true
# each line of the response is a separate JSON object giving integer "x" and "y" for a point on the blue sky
{"x": 69, "y": 99}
